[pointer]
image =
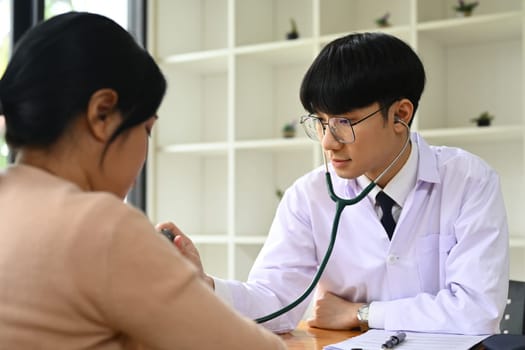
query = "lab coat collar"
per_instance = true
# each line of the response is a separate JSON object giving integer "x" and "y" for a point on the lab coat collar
{"x": 427, "y": 170}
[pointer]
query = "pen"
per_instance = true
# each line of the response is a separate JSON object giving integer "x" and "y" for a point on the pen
{"x": 394, "y": 340}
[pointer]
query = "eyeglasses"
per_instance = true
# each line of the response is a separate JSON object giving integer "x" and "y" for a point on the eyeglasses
{"x": 341, "y": 128}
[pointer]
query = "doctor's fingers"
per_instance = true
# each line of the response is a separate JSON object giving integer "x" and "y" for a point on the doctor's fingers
{"x": 181, "y": 241}
{"x": 170, "y": 226}
{"x": 185, "y": 244}
{"x": 190, "y": 252}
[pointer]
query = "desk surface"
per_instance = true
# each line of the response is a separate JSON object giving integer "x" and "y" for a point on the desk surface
{"x": 306, "y": 338}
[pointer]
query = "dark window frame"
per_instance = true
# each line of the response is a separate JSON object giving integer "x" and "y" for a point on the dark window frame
{"x": 137, "y": 15}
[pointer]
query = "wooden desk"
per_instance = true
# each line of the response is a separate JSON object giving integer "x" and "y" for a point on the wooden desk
{"x": 306, "y": 338}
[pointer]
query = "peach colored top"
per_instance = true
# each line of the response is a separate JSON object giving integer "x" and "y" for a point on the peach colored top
{"x": 83, "y": 270}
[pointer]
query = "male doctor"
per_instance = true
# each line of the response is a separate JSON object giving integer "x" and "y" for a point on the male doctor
{"x": 426, "y": 250}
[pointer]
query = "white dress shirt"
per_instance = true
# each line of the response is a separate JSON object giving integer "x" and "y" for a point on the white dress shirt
{"x": 398, "y": 187}
{"x": 445, "y": 269}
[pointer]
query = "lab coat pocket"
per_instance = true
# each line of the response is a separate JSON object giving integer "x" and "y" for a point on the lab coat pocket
{"x": 427, "y": 255}
{"x": 446, "y": 243}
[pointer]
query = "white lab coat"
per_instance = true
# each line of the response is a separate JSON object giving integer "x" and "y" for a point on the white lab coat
{"x": 445, "y": 270}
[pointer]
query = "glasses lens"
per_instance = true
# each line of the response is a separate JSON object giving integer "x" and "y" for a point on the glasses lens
{"x": 342, "y": 130}
{"x": 312, "y": 127}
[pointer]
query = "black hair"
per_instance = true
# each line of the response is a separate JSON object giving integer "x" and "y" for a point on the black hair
{"x": 57, "y": 66}
{"x": 360, "y": 69}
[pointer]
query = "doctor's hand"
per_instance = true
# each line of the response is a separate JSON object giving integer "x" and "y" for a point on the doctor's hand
{"x": 186, "y": 247}
{"x": 333, "y": 312}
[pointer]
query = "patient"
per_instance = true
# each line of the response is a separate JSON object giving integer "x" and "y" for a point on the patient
{"x": 79, "y": 269}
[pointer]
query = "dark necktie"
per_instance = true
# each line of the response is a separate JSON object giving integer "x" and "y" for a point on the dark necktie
{"x": 386, "y": 203}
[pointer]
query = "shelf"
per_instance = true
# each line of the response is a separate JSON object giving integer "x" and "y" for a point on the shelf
{"x": 191, "y": 98}
{"x": 399, "y": 31}
{"x": 269, "y": 20}
{"x": 280, "y": 52}
{"x": 345, "y": 16}
{"x": 196, "y": 189}
{"x": 514, "y": 240}
{"x": 250, "y": 239}
{"x": 474, "y": 134}
{"x": 219, "y": 158}
{"x": 204, "y": 62}
{"x": 209, "y": 239}
{"x": 517, "y": 241}
{"x": 276, "y": 144}
{"x": 204, "y": 148}
{"x": 472, "y": 30}
{"x": 222, "y": 147}
{"x": 214, "y": 258}
{"x": 201, "y": 26}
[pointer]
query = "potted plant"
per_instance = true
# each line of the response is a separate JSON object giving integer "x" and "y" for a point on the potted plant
{"x": 289, "y": 129}
{"x": 483, "y": 119}
{"x": 293, "y": 33}
{"x": 465, "y": 9}
{"x": 383, "y": 20}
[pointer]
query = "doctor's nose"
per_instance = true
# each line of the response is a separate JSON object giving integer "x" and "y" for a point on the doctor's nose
{"x": 329, "y": 142}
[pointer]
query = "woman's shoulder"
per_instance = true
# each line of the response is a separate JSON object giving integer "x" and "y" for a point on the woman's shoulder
{"x": 106, "y": 212}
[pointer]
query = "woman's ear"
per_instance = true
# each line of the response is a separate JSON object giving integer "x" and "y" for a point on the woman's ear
{"x": 102, "y": 117}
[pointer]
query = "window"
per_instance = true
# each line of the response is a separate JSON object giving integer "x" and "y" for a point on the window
{"x": 114, "y": 9}
{"x": 5, "y": 34}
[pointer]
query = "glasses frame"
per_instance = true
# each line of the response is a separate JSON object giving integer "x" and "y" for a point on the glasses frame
{"x": 332, "y": 128}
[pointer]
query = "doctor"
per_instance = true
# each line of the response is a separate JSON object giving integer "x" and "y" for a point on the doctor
{"x": 426, "y": 250}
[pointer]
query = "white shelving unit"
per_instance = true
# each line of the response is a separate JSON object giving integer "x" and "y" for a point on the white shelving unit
{"x": 217, "y": 157}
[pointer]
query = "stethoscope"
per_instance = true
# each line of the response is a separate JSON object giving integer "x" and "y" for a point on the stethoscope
{"x": 341, "y": 203}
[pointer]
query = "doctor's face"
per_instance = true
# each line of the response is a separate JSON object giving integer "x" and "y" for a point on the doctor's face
{"x": 376, "y": 144}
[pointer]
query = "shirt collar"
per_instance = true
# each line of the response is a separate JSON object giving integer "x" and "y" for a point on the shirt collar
{"x": 401, "y": 184}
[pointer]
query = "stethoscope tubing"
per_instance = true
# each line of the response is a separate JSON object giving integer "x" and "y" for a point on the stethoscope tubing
{"x": 341, "y": 203}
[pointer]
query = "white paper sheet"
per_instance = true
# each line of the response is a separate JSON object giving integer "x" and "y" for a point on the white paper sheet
{"x": 373, "y": 339}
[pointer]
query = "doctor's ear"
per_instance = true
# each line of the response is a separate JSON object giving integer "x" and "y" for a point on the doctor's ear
{"x": 404, "y": 111}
